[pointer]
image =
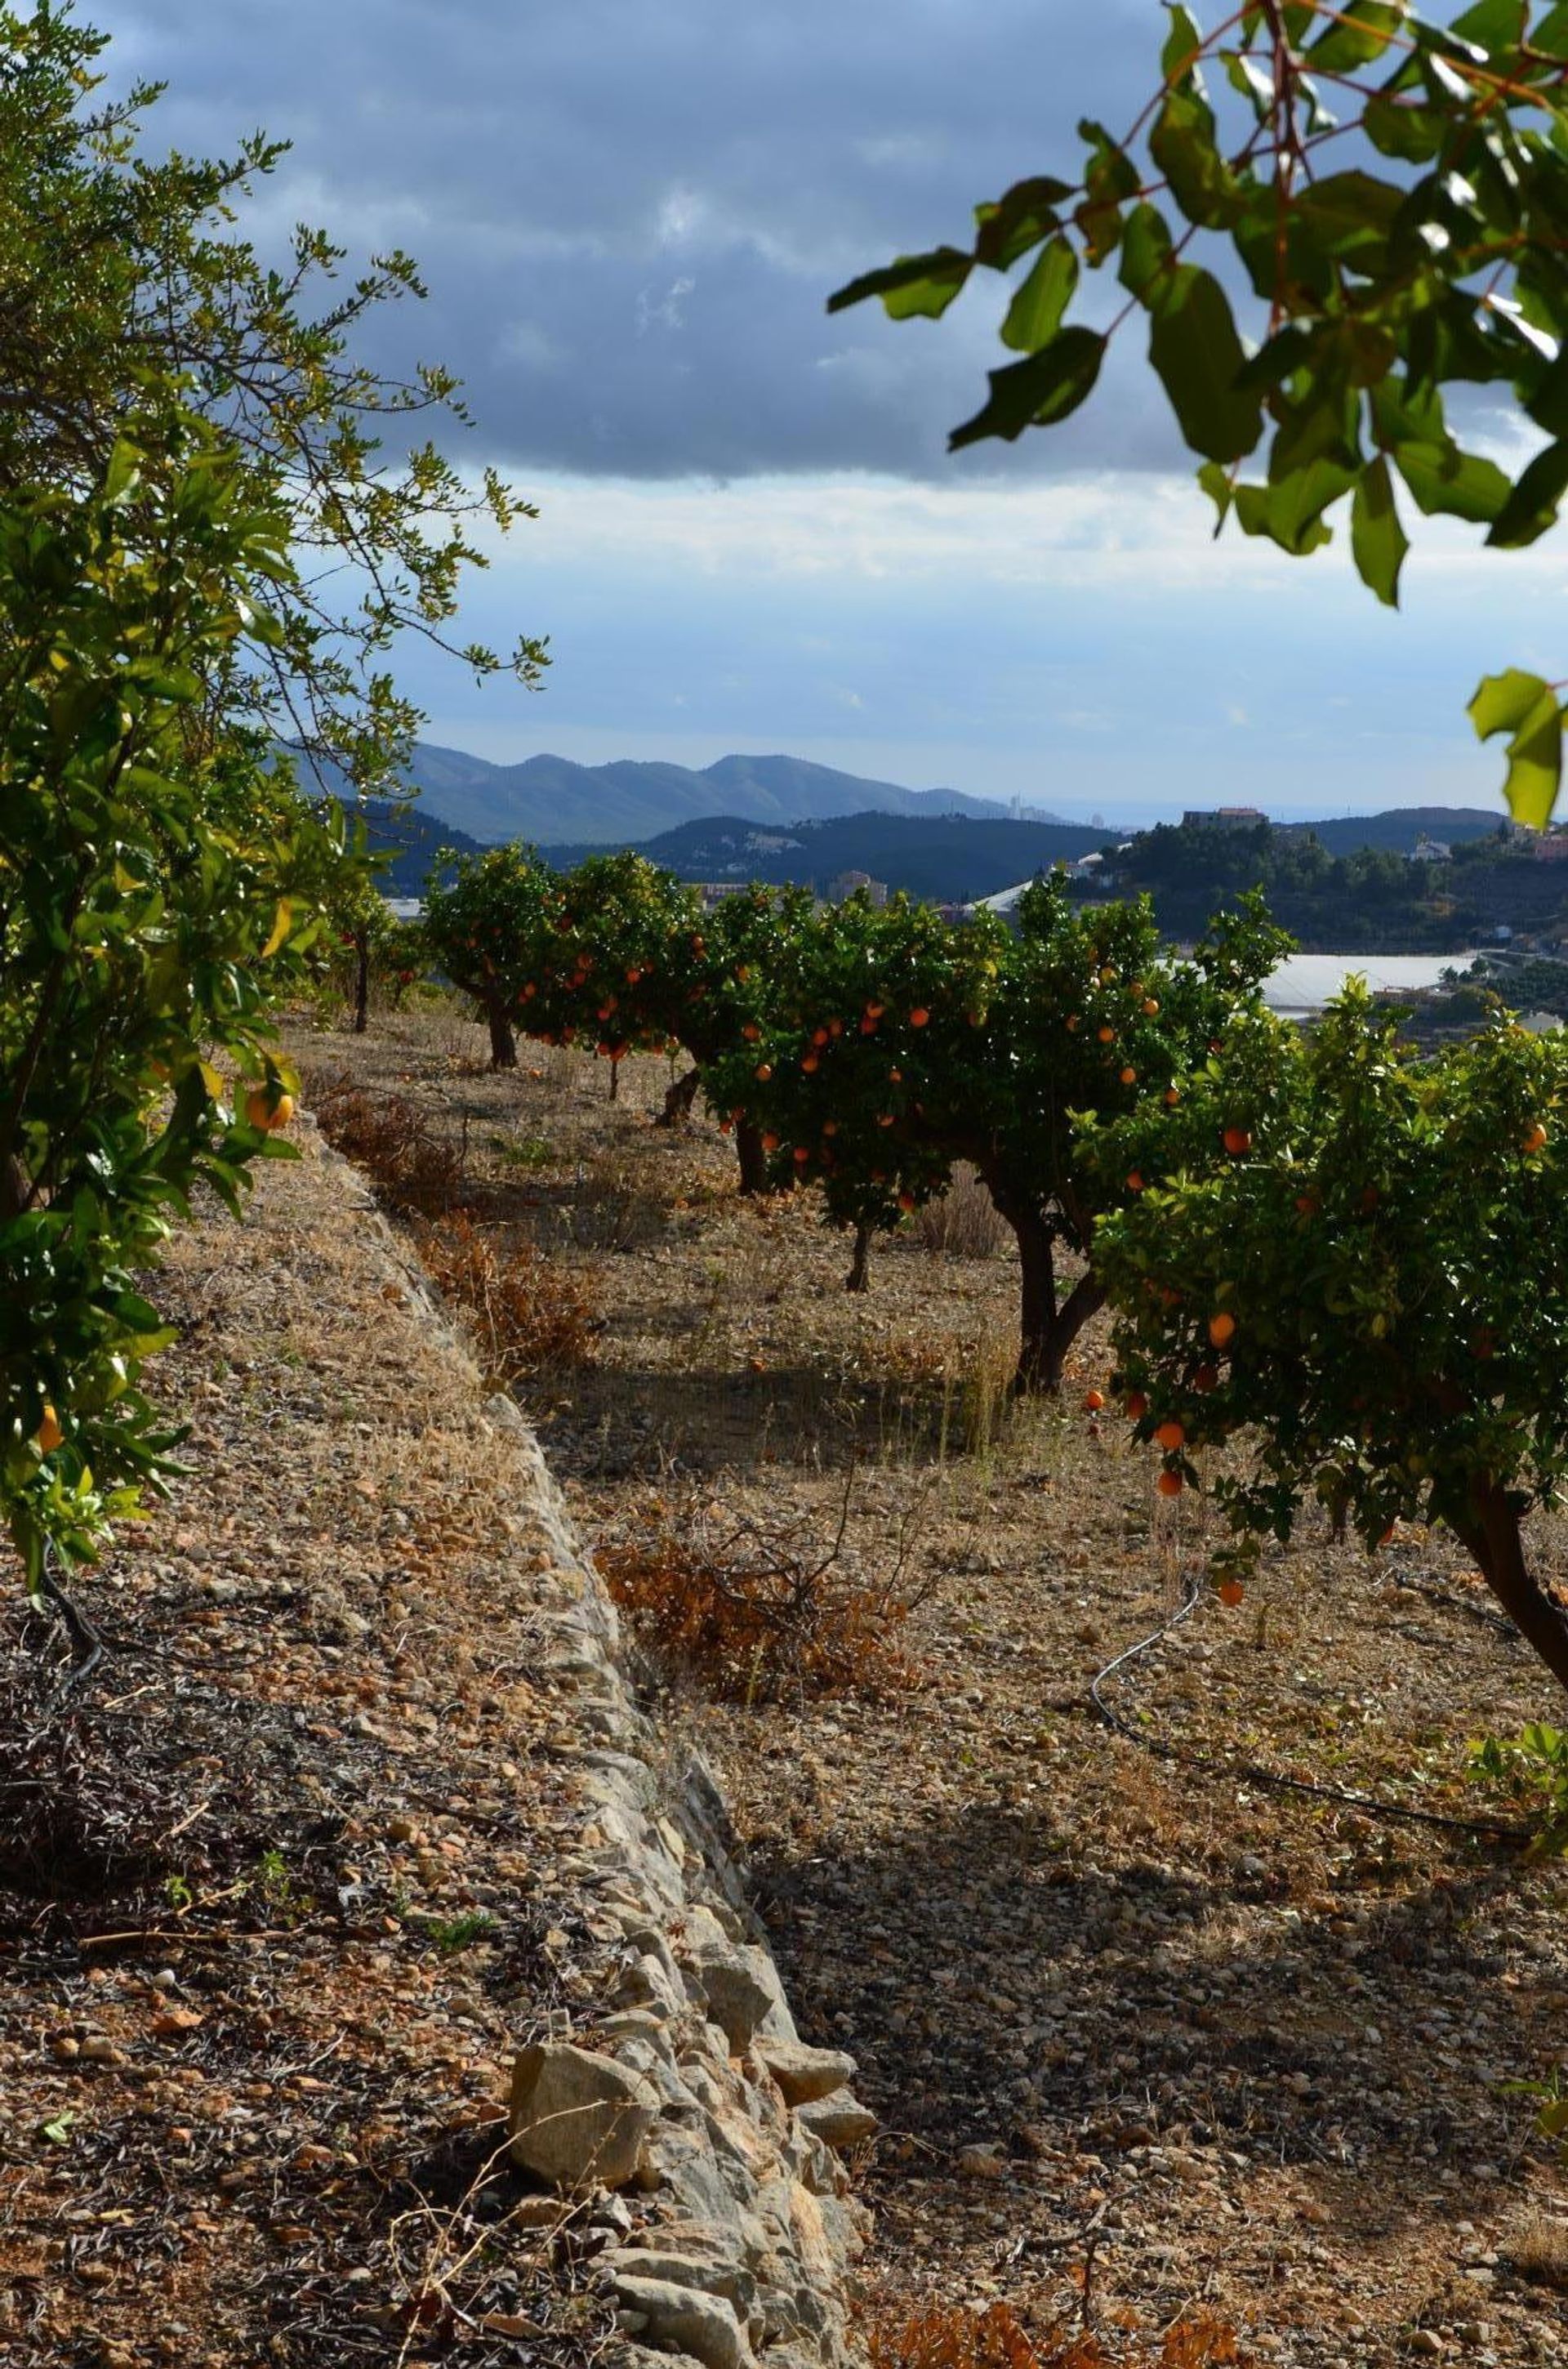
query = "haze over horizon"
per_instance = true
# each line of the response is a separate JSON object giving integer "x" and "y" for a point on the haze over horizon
{"x": 751, "y": 538}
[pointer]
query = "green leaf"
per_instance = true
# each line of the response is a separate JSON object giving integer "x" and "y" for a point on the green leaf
{"x": 1348, "y": 216}
{"x": 1409, "y": 130}
{"x": 1184, "y": 44}
{"x": 1194, "y": 346}
{"x": 914, "y": 284}
{"x": 1378, "y": 541}
{"x": 1146, "y": 252}
{"x": 1503, "y": 700}
{"x": 1037, "y": 392}
{"x": 1494, "y": 25}
{"x": 1017, "y": 221}
{"x": 123, "y": 474}
{"x": 1035, "y": 313}
{"x": 1362, "y": 32}
{"x": 1527, "y": 707}
{"x": 1531, "y": 507}
{"x": 1548, "y": 403}
{"x": 1183, "y": 145}
{"x": 1447, "y": 483}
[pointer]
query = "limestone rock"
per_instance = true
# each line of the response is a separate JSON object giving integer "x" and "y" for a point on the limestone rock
{"x": 741, "y": 1986}
{"x": 842, "y": 2121}
{"x": 684, "y": 2319}
{"x": 577, "y": 2118}
{"x": 804, "y": 2073}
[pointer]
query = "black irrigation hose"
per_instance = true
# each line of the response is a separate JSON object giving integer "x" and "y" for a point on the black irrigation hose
{"x": 1253, "y": 1772}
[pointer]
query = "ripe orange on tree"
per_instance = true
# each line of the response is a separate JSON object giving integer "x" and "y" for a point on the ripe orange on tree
{"x": 1358, "y": 1378}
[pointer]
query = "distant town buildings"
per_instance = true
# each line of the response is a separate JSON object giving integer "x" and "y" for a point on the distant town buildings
{"x": 1551, "y": 847}
{"x": 1431, "y": 850}
{"x": 1223, "y": 817}
{"x": 845, "y": 884}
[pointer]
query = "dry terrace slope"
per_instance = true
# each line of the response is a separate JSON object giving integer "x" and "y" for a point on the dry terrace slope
{"x": 1214, "y": 2041}
{"x": 283, "y": 1891}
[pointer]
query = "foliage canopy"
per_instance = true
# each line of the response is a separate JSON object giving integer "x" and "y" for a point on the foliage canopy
{"x": 1382, "y": 204}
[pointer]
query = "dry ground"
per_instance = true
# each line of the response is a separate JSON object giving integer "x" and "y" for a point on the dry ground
{"x": 278, "y": 1889}
{"x": 1204, "y": 2039}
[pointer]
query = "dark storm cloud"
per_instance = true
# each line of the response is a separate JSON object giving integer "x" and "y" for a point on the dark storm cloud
{"x": 630, "y": 212}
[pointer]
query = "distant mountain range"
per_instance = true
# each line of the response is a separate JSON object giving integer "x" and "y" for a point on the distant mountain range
{"x": 552, "y": 802}
{"x": 948, "y": 859}
{"x": 1400, "y": 826}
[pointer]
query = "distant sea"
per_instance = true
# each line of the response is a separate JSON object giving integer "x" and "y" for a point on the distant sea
{"x": 1304, "y": 983}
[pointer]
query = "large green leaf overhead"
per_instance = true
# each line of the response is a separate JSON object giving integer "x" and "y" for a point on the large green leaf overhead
{"x": 1332, "y": 217}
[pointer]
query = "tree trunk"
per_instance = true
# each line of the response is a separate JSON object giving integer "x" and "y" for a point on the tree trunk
{"x": 503, "y": 1044}
{"x": 859, "y": 1275}
{"x": 678, "y": 1102}
{"x": 1490, "y": 1531}
{"x": 614, "y": 1081}
{"x": 1046, "y": 1331}
{"x": 752, "y": 1157}
{"x": 362, "y": 981}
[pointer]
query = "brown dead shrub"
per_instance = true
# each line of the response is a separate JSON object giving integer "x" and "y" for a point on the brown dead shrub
{"x": 752, "y": 1613}
{"x": 528, "y": 1313}
{"x": 390, "y": 1138}
{"x": 953, "y": 2337}
{"x": 964, "y": 1222}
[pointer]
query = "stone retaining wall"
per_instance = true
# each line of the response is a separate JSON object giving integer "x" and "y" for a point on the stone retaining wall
{"x": 684, "y": 2103}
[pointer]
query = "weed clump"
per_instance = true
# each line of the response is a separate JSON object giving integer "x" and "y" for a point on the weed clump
{"x": 949, "y": 2337}
{"x": 964, "y": 1222}
{"x": 527, "y": 1313}
{"x": 390, "y": 1138}
{"x": 752, "y": 1613}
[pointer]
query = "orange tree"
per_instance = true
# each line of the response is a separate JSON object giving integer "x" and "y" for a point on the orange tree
{"x": 157, "y": 887}
{"x": 493, "y": 927}
{"x": 1356, "y": 1261}
{"x": 902, "y": 1043}
{"x": 618, "y": 954}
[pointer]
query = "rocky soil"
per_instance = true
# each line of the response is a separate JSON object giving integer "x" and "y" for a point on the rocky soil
{"x": 355, "y": 1815}
{"x": 1144, "y": 2031}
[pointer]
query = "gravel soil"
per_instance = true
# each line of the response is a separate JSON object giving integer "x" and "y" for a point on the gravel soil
{"x": 278, "y": 1881}
{"x": 1146, "y": 2031}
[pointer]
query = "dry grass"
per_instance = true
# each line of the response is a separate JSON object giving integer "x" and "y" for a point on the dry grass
{"x": 1537, "y": 2246}
{"x": 412, "y": 1167}
{"x": 949, "y": 2338}
{"x": 526, "y": 1313}
{"x": 755, "y": 1610}
{"x": 965, "y": 1223}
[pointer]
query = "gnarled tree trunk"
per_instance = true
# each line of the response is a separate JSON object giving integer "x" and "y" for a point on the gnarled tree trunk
{"x": 859, "y": 1275}
{"x": 752, "y": 1157}
{"x": 362, "y": 981}
{"x": 1490, "y": 1529}
{"x": 503, "y": 1043}
{"x": 1046, "y": 1331}
{"x": 679, "y": 1098}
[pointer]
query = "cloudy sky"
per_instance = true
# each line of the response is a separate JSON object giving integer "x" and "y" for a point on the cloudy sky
{"x": 629, "y": 213}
